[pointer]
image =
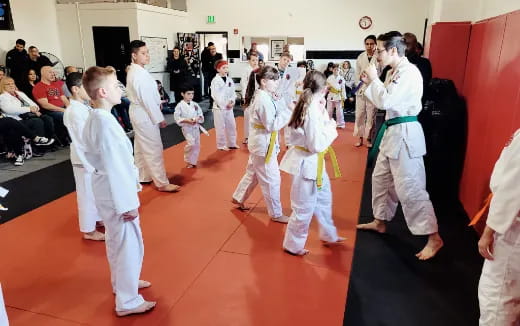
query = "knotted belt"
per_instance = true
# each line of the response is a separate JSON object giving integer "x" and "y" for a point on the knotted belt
{"x": 321, "y": 162}
{"x": 481, "y": 212}
{"x": 390, "y": 122}
{"x": 272, "y": 141}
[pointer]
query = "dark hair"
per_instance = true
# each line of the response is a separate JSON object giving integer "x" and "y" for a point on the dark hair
{"x": 32, "y": 47}
{"x": 158, "y": 82}
{"x": 210, "y": 44}
{"x": 20, "y": 41}
{"x": 370, "y": 37}
{"x": 187, "y": 88}
{"x": 301, "y": 64}
{"x": 267, "y": 72}
{"x": 135, "y": 45}
{"x": 393, "y": 39}
{"x": 314, "y": 81}
{"x": 74, "y": 79}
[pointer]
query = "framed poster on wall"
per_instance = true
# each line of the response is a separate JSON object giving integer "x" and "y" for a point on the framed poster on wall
{"x": 276, "y": 49}
{"x": 158, "y": 48}
{"x": 6, "y": 19}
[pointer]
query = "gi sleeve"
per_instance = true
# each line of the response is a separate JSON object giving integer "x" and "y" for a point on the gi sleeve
{"x": 318, "y": 135}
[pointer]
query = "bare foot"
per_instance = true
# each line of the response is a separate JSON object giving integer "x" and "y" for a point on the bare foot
{"x": 169, "y": 188}
{"x": 223, "y": 148}
{"x": 281, "y": 219}
{"x": 94, "y": 236}
{"x": 143, "y": 284}
{"x": 190, "y": 166}
{"x": 369, "y": 144}
{"x": 434, "y": 244}
{"x": 358, "y": 144}
{"x": 241, "y": 206}
{"x": 375, "y": 225}
{"x": 301, "y": 252}
{"x": 339, "y": 241}
{"x": 142, "y": 308}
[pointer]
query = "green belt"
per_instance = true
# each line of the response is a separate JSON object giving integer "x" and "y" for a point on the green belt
{"x": 395, "y": 121}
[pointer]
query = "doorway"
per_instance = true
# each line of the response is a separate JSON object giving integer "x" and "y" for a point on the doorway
{"x": 112, "y": 48}
{"x": 220, "y": 39}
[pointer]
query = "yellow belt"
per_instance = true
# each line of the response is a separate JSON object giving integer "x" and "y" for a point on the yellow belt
{"x": 298, "y": 92}
{"x": 321, "y": 162}
{"x": 272, "y": 141}
{"x": 334, "y": 91}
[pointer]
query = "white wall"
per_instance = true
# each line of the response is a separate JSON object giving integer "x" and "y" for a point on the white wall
{"x": 492, "y": 8}
{"x": 35, "y": 22}
{"x": 469, "y": 10}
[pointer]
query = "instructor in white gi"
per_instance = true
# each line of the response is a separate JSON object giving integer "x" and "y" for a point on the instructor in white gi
{"x": 146, "y": 118}
{"x": 399, "y": 171}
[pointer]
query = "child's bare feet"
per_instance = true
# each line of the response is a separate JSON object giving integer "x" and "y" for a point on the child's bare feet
{"x": 433, "y": 245}
{"x": 375, "y": 225}
{"x": 241, "y": 206}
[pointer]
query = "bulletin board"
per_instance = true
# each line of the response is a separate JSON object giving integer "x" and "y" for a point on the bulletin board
{"x": 158, "y": 48}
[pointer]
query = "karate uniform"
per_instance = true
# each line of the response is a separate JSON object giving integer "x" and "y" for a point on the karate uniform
{"x": 74, "y": 119}
{"x": 189, "y": 111}
{"x": 266, "y": 116}
{"x": 287, "y": 91}
{"x": 145, "y": 115}
{"x": 365, "y": 109}
{"x": 335, "y": 98}
{"x": 115, "y": 183}
{"x": 499, "y": 287}
{"x": 316, "y": 135}
{"x": 3, "y": 314}
{"x": 302, "y": 72}
{"x": 349, "y": 76}
{"x": 244, "y": 81}
{"x": 223, "y": 92}
{"x": 399, "y": 171}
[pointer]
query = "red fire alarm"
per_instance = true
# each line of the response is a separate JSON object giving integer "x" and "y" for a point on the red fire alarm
{"x": 235, "y": 31}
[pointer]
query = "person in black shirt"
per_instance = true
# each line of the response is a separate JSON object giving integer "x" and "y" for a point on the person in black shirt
{"x": 423, "y": 64}
{"x": 37, "y": 61}
{"x": 209, "y": 59}
{"x": 178, "y": 69}
{"x": 17, "y": 60}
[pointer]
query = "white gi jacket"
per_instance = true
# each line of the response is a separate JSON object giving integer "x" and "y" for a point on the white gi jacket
{"x": 399, "y": 96}
{"x": 349, "y": 76}
{"x": 337, "y": 88}
{"x": 185, "y": 111}
{"x": 222, "y": 92}
{"x": 287, "y": 85}
{"x": 272, "y": 115}
{"x": 109, "y": 151}
{"x": 143, "y": 95}
{"x": 13, "y": 107}
{"x": 75, "y": 118}
{"x": 244, "y": 80}
{"x": 362, "y": 63}
{"x": 316, "y": 135}
{"x": 505, "y": 186}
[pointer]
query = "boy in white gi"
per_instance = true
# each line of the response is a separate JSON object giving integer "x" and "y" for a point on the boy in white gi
{"x": 365, "y": 109}
{"x": 115, "y": 183}
{"x": 224, "y": 96}
{"x": 287, "y": 85}
{"x": 337, "y": 95}
{"x": 253, "y": 64}
{"x": 146, "y": 118}
{"x": 267, "y": 117}
{"x": 499, "y": 287}
{"x": 311, "y": 134}
{"x": 188, "y": 115}
{"x": 399, "y": 171}
{"x": 74, "y": 119}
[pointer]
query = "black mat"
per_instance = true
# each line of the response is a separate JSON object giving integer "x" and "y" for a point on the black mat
{"x": 389, "y": 286}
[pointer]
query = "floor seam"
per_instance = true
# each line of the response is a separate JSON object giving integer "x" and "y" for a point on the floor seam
{"x": 46, "y": 315}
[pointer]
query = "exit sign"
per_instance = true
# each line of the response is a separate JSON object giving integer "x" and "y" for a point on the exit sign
{"x": 211, "y": 20}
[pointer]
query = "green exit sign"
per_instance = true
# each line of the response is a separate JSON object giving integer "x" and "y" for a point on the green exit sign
{"x": 211, "y": 20}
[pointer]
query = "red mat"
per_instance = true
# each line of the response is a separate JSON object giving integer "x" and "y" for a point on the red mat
{"x": 209, "y": 263}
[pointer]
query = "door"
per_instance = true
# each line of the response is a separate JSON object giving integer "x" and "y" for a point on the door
{"x": 112, "y": 48}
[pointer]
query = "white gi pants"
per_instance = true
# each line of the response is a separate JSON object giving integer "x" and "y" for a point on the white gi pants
{"x": 340, "y": 118}
{"x": 87, "y": 211}
{"x": 403, "y": 180}
{"x": 365, "y": 116}
{"x": 192, "y": 148}
{"x": 306, "y": 201}
{"x": 246, "y": 123}
{"x": 148, "y": 153}
{"x": 499, "y": 286}
{"x": 3, "y": 314}
{"x": 225, "y": 128}
{"x": 268, "y": 176}
{"x": 125, "y": 251}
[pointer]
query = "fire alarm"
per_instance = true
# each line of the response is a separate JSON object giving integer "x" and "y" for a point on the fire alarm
{"x": 235, "y": 31}
{"x": 365, "y": 22}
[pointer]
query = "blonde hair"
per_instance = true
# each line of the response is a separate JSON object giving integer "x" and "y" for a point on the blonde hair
{"x": 3, "y": 83}
{"x": 314, "y": 82}
{"x": 94, "y": 77}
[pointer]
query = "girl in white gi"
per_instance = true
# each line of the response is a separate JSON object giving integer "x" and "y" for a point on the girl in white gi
{"x": 188, "y": 115}
{"x": 499, "y": 287}
{"x": 267, "y": 117}
{"x": 399, "y": 171}
{"x": 224, "y": 96}
{"x": 74, "y": 119}
{"x": 365, "y": 109}
{"x": 311, "y": 134}
{"x": 336, "y": 96}
{"x": 146, "y": 118}
{"x": 253, "y": 65}
{"x": 115, "y": 182}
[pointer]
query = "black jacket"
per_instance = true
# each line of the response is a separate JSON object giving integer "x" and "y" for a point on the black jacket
{"x": 18, "y": 64}
{"x": 39, "y": 63}
{"x": 178, "y": 70}
{"x": 208, "y": 62}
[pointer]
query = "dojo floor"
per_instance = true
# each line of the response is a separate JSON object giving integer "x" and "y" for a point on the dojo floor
{"x": 209, "y": 263}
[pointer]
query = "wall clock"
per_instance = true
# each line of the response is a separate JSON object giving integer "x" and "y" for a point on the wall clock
{"x": 365, "y": 22}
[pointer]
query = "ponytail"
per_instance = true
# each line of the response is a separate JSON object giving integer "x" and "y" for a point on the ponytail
{"x": 267, "y": 72}
{"x": 313, "y": 83}
{"x": 250, "y": 90}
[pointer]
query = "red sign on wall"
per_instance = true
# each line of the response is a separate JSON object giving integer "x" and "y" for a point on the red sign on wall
{"x": 235, "y": 31}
